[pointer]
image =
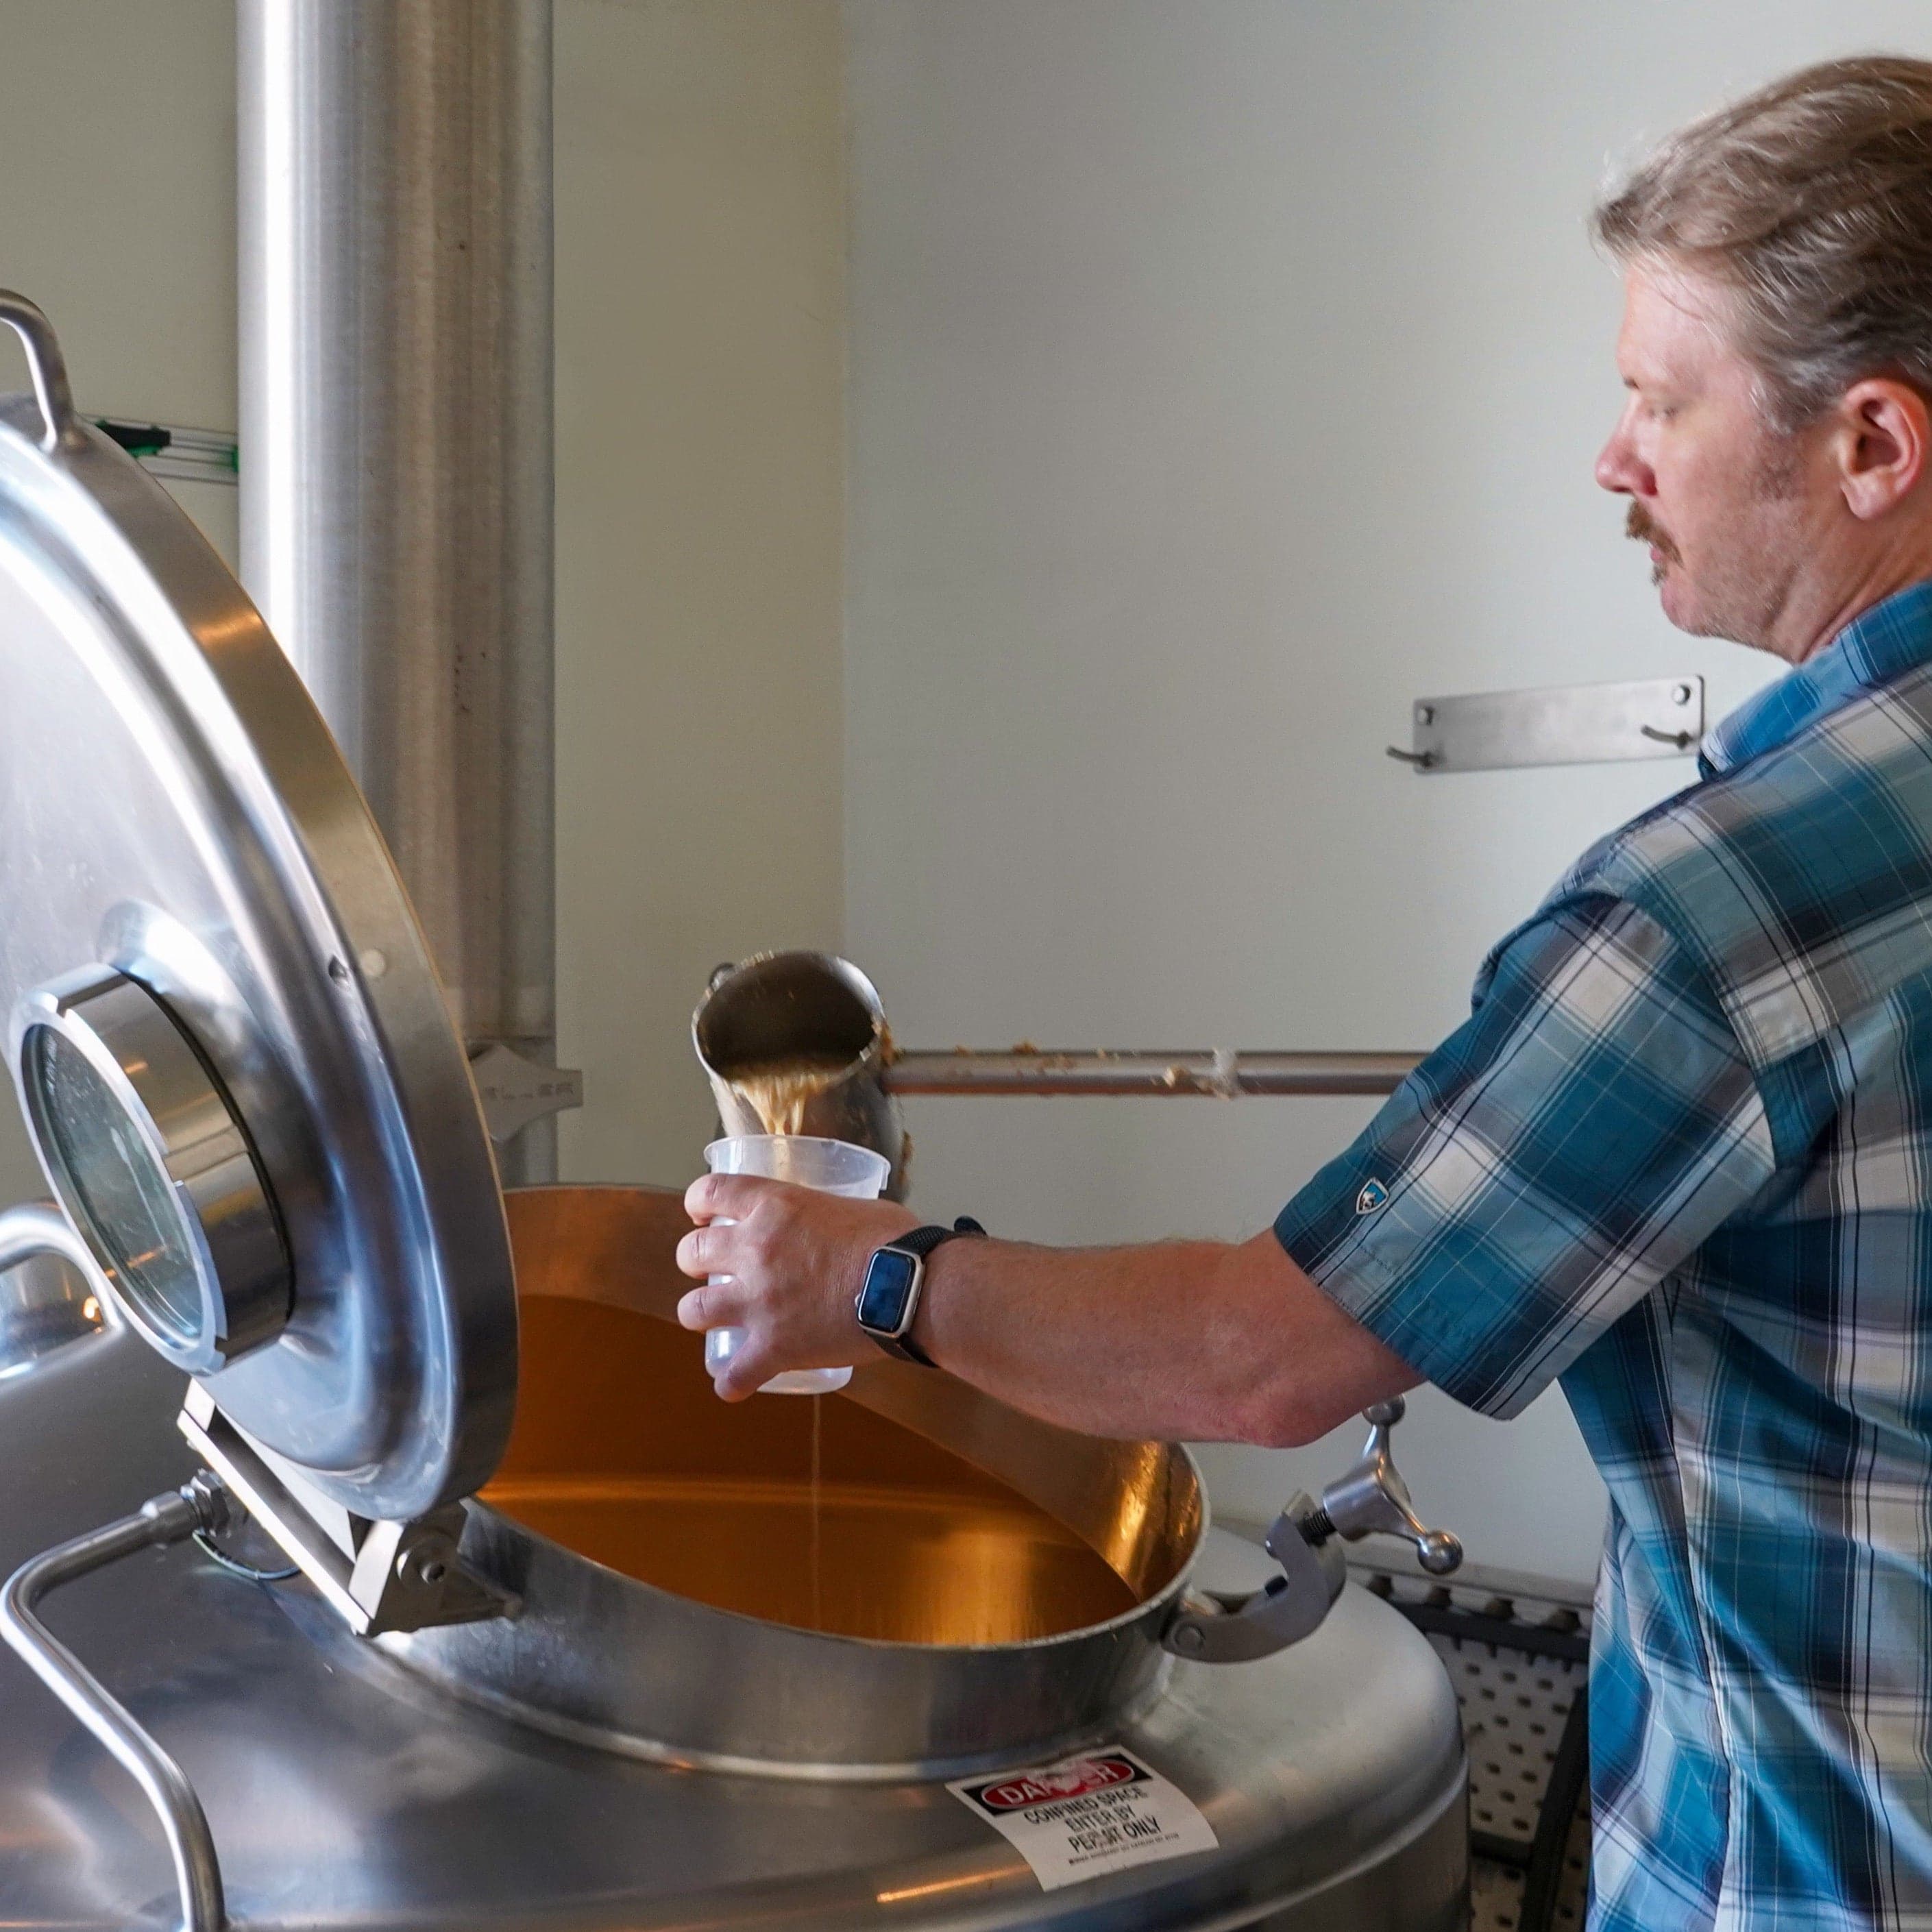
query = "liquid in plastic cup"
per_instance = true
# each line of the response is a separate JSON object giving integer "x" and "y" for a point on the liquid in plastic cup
{"x": 807, "y": 1160}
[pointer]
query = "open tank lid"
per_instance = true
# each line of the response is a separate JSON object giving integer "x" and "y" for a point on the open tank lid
{"x": 234, "y": 1053}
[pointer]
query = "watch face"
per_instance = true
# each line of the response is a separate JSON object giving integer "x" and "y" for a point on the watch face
{"x": 889, "y": 1281}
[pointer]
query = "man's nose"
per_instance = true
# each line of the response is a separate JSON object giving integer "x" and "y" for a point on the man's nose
{"x": 1620, "y": 469}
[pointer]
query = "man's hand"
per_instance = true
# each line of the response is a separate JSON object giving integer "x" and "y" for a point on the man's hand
{"x": 797, "y": 1259}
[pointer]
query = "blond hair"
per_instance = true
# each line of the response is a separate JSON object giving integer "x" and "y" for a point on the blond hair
{"x": 1811, "y": 200}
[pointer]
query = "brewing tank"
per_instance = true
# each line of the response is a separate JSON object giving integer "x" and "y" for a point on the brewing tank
{"x": 382, "y": 1559}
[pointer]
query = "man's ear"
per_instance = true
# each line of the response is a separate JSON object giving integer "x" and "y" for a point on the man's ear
{"x": 1882, "y": 441}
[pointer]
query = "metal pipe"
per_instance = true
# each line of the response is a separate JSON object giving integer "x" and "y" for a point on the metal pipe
{"x": 397, "y": 497}
{"x": 1222, "y": 1075}
{"x": 173, "y": 1518}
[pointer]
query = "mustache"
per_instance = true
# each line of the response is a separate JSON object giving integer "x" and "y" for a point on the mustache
{"x": 1642, "y": 527}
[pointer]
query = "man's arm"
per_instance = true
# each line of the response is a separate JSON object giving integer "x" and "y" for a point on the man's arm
{"x": 1542, "y": 1170}
{"x": 1199, "y": 1340}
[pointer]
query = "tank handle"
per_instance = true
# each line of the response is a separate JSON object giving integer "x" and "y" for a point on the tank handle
{"x": 46, "y": 365}
{"x": 1213, "y": 1627}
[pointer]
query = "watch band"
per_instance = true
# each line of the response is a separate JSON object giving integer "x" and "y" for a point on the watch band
{"x": 920, "y": 1243}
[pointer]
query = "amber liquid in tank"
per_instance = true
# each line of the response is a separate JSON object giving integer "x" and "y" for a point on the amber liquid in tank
{"x": 621, "y": 1453}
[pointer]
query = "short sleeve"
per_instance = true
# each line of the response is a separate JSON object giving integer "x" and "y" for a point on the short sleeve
{"x": 1586, "y": 1130}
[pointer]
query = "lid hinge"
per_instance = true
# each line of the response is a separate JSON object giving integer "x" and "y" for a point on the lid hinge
{"x": 377, "y": 1576}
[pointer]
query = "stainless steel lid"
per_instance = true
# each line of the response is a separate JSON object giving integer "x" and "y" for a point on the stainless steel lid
{"x": 235, "y": 1056}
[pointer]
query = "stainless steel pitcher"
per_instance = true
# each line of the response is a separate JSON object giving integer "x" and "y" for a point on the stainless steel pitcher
{"x": 780, "y": 1006}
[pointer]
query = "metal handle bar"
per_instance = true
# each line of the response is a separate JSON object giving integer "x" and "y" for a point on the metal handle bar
{"x": 1221, "y": 1074}
{"x": 27, "y": 1230}
{"x": 46, "y": 366}
{"x": 173, "y": 1518}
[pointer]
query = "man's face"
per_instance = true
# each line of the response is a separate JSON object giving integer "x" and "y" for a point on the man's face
{"x": 1727, "y": 503}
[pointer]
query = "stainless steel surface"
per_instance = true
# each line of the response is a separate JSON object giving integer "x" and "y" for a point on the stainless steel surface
{"x": 176, "y": 811}
{"x": 51, "y": 1292}
{"x": 1560, "y": 724}
{"x": 1372, "y": 1498}
{"x": 168, "y": 1519}
{"x": 344, "y": 1791}
{"x": 1145, "y": 1073}
{"x": 818, "y": 1019}
{"x": 123, "y": 1114}
{"x": 396, "y": 428}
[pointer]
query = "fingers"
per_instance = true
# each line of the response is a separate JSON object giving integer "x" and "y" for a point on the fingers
{"x": 732, "y": 1196}
{"x": 718, "y": 1304}
{"x": 701, "y": 1252}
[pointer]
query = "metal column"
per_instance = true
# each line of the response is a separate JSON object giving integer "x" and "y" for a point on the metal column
{"x": 396, "y": 440}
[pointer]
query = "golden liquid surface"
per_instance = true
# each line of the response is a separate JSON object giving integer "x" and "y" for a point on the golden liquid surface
{"x": 621, "y": 1453}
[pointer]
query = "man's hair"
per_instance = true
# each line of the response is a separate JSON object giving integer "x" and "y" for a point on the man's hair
{"x": 1811, "y": 201}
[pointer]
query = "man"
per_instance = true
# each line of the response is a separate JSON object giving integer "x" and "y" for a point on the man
{"x": 1680, "y": 1154}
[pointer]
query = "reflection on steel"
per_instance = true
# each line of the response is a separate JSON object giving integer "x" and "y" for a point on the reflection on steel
{"x": 396, "y": 422}
{"x": 51, "y": 1290}
{"x": 1147, "y": 1074}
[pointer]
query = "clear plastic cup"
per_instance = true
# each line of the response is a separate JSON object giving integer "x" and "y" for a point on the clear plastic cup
{"x": 833, "y": 1167}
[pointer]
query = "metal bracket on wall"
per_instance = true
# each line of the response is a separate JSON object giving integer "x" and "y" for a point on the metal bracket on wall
{"x": 1559, "y": 725}
{"x": 515, "y": 1090}
{"x": 175, "y": 454}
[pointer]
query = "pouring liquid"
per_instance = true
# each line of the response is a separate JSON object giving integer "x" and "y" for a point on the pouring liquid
{"x": 778, "y": 1092}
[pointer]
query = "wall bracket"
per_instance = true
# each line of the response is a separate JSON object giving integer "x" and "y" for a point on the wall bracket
{"x": 1557, "y": 724}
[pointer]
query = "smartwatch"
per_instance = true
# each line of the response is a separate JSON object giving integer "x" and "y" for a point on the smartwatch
{"x": 888, "y": 1305}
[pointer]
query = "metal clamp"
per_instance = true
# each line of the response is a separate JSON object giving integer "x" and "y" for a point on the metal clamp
{"x": 46, "y": 367}
{"x": 1216, "y": 1628}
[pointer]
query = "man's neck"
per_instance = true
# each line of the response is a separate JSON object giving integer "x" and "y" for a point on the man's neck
{"x": 1809, "y": 624}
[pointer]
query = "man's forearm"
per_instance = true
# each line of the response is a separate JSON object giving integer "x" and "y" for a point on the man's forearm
{"x": 1179, "y": 1340}
{"x": 1196, "y": 1339}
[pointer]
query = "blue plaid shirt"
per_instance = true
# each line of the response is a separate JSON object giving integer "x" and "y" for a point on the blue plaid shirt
{"x": 1680, "y": 1155}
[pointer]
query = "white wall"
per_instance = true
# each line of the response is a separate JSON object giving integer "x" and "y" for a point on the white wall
{"x": 1223, "y": 375}
{"x": 699, "y": 238}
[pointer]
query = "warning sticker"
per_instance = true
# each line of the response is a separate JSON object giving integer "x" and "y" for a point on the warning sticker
{"x": 1101, "y": 1812}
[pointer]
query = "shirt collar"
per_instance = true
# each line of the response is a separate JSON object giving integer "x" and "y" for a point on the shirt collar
{"x": 1891, "y": 637}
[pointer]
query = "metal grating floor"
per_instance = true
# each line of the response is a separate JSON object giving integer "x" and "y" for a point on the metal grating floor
{"x": 1516, "y": 1698}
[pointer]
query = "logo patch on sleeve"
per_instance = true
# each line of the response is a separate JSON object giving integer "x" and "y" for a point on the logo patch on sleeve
{"x": 1374, "y": 1194}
